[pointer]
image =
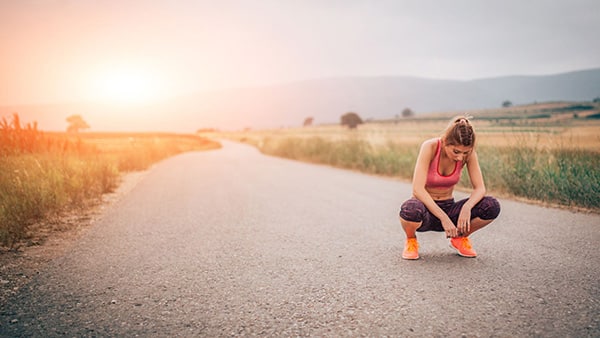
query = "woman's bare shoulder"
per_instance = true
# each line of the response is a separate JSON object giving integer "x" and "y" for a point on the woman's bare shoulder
{"x": 430, "y": 144}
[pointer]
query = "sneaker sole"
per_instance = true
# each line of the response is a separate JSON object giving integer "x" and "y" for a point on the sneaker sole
{"x": 459, "y": 253}
{"x": 410, "y": 258}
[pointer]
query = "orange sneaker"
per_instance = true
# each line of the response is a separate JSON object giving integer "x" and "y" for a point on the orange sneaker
{"x": 463, "y": 246}
{"x": 411, "y": 249}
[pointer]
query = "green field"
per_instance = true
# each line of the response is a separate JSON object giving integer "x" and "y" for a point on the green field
{"x": 547, "y": 153}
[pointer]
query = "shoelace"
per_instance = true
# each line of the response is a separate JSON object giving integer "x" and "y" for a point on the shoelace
{"x": 465, "y": 243}
{"x": 412, "y": 246}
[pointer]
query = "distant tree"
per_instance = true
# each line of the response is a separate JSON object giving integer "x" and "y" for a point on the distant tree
{"x": 76, "y": 122}
{"x": 407, "y": 112}
{"x": 507, "y": 104}
{"x": 596, "y": 100}
{"x": 351, "y": 119}
{"x": 308, "y": 122}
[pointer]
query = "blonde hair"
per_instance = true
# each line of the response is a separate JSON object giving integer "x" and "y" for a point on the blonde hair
{"x": 459, "y": 132}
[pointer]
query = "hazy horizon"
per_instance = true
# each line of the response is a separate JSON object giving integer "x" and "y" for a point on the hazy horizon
{"x": 116, "y": 52}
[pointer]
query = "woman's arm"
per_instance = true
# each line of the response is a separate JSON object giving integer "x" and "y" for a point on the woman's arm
{"x": 424, "y": 158}
{"x": 464, "y": 218}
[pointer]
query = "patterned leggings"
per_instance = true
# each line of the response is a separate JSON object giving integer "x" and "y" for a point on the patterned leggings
{"x": 414, "y": 210}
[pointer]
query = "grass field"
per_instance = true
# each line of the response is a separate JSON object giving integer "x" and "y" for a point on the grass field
{"x": 546, "y": 152}
{"x": 45, "y": 174}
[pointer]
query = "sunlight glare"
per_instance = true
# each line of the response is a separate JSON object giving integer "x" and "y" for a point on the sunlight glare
{"x": 125, "y": 86}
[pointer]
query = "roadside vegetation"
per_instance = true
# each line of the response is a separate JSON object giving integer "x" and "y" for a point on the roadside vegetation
{"x": 45, "y": 174}
{"x": 544, "y": 152}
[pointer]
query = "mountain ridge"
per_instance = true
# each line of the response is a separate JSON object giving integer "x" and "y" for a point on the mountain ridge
{"x": 288, "y": 104}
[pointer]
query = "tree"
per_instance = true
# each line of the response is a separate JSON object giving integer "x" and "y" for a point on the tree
{"x": 76, "y": 122}
{"x": 407, "y": 112}
{"x": 506, "y": 104}
{"x": 350, "y": 119}
{"x": 308, "y": 122}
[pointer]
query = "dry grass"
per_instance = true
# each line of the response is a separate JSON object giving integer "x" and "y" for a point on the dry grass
{"x": 579, "y": 136}
{"x": 45, "y": 174}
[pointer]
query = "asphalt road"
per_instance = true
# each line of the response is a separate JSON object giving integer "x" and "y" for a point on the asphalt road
{"x": 232, "y": 242}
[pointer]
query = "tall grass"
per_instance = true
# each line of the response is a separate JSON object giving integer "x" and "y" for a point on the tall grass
{"x": 38, "y": 186}
{"x": 355, "y": 154}
{"x": 44, "y": 174}
{"x": 567, "y": 176}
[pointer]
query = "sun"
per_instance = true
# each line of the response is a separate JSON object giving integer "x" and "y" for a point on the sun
{"x": 125, "y": 85}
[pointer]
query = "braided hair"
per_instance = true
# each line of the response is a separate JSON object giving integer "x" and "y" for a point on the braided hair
{"x": 459, "y": 132}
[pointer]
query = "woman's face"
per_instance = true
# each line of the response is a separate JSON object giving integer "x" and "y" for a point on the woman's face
{"x": 457, "y": 152}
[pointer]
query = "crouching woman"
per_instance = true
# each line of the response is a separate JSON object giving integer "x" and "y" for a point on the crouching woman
{"x": 432, "y": 206}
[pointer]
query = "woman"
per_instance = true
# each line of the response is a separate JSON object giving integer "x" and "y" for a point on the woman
{"x": 432, "y": 207}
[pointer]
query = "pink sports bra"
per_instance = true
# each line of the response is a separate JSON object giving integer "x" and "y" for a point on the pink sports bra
{"x": 437, "y": 180}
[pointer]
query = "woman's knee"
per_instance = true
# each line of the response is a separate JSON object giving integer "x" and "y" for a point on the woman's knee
{"x": 412, "y": 210}
{"x": 488, "y": 208}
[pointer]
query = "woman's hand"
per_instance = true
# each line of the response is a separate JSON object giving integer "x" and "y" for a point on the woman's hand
{"x": 450, "y": 228}
{"x": 464, "y": 221}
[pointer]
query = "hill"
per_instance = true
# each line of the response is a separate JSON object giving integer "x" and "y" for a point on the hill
{"x": 323, "y": 99}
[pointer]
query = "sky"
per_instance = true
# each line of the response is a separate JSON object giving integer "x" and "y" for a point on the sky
{"x": 140, "y": 51}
